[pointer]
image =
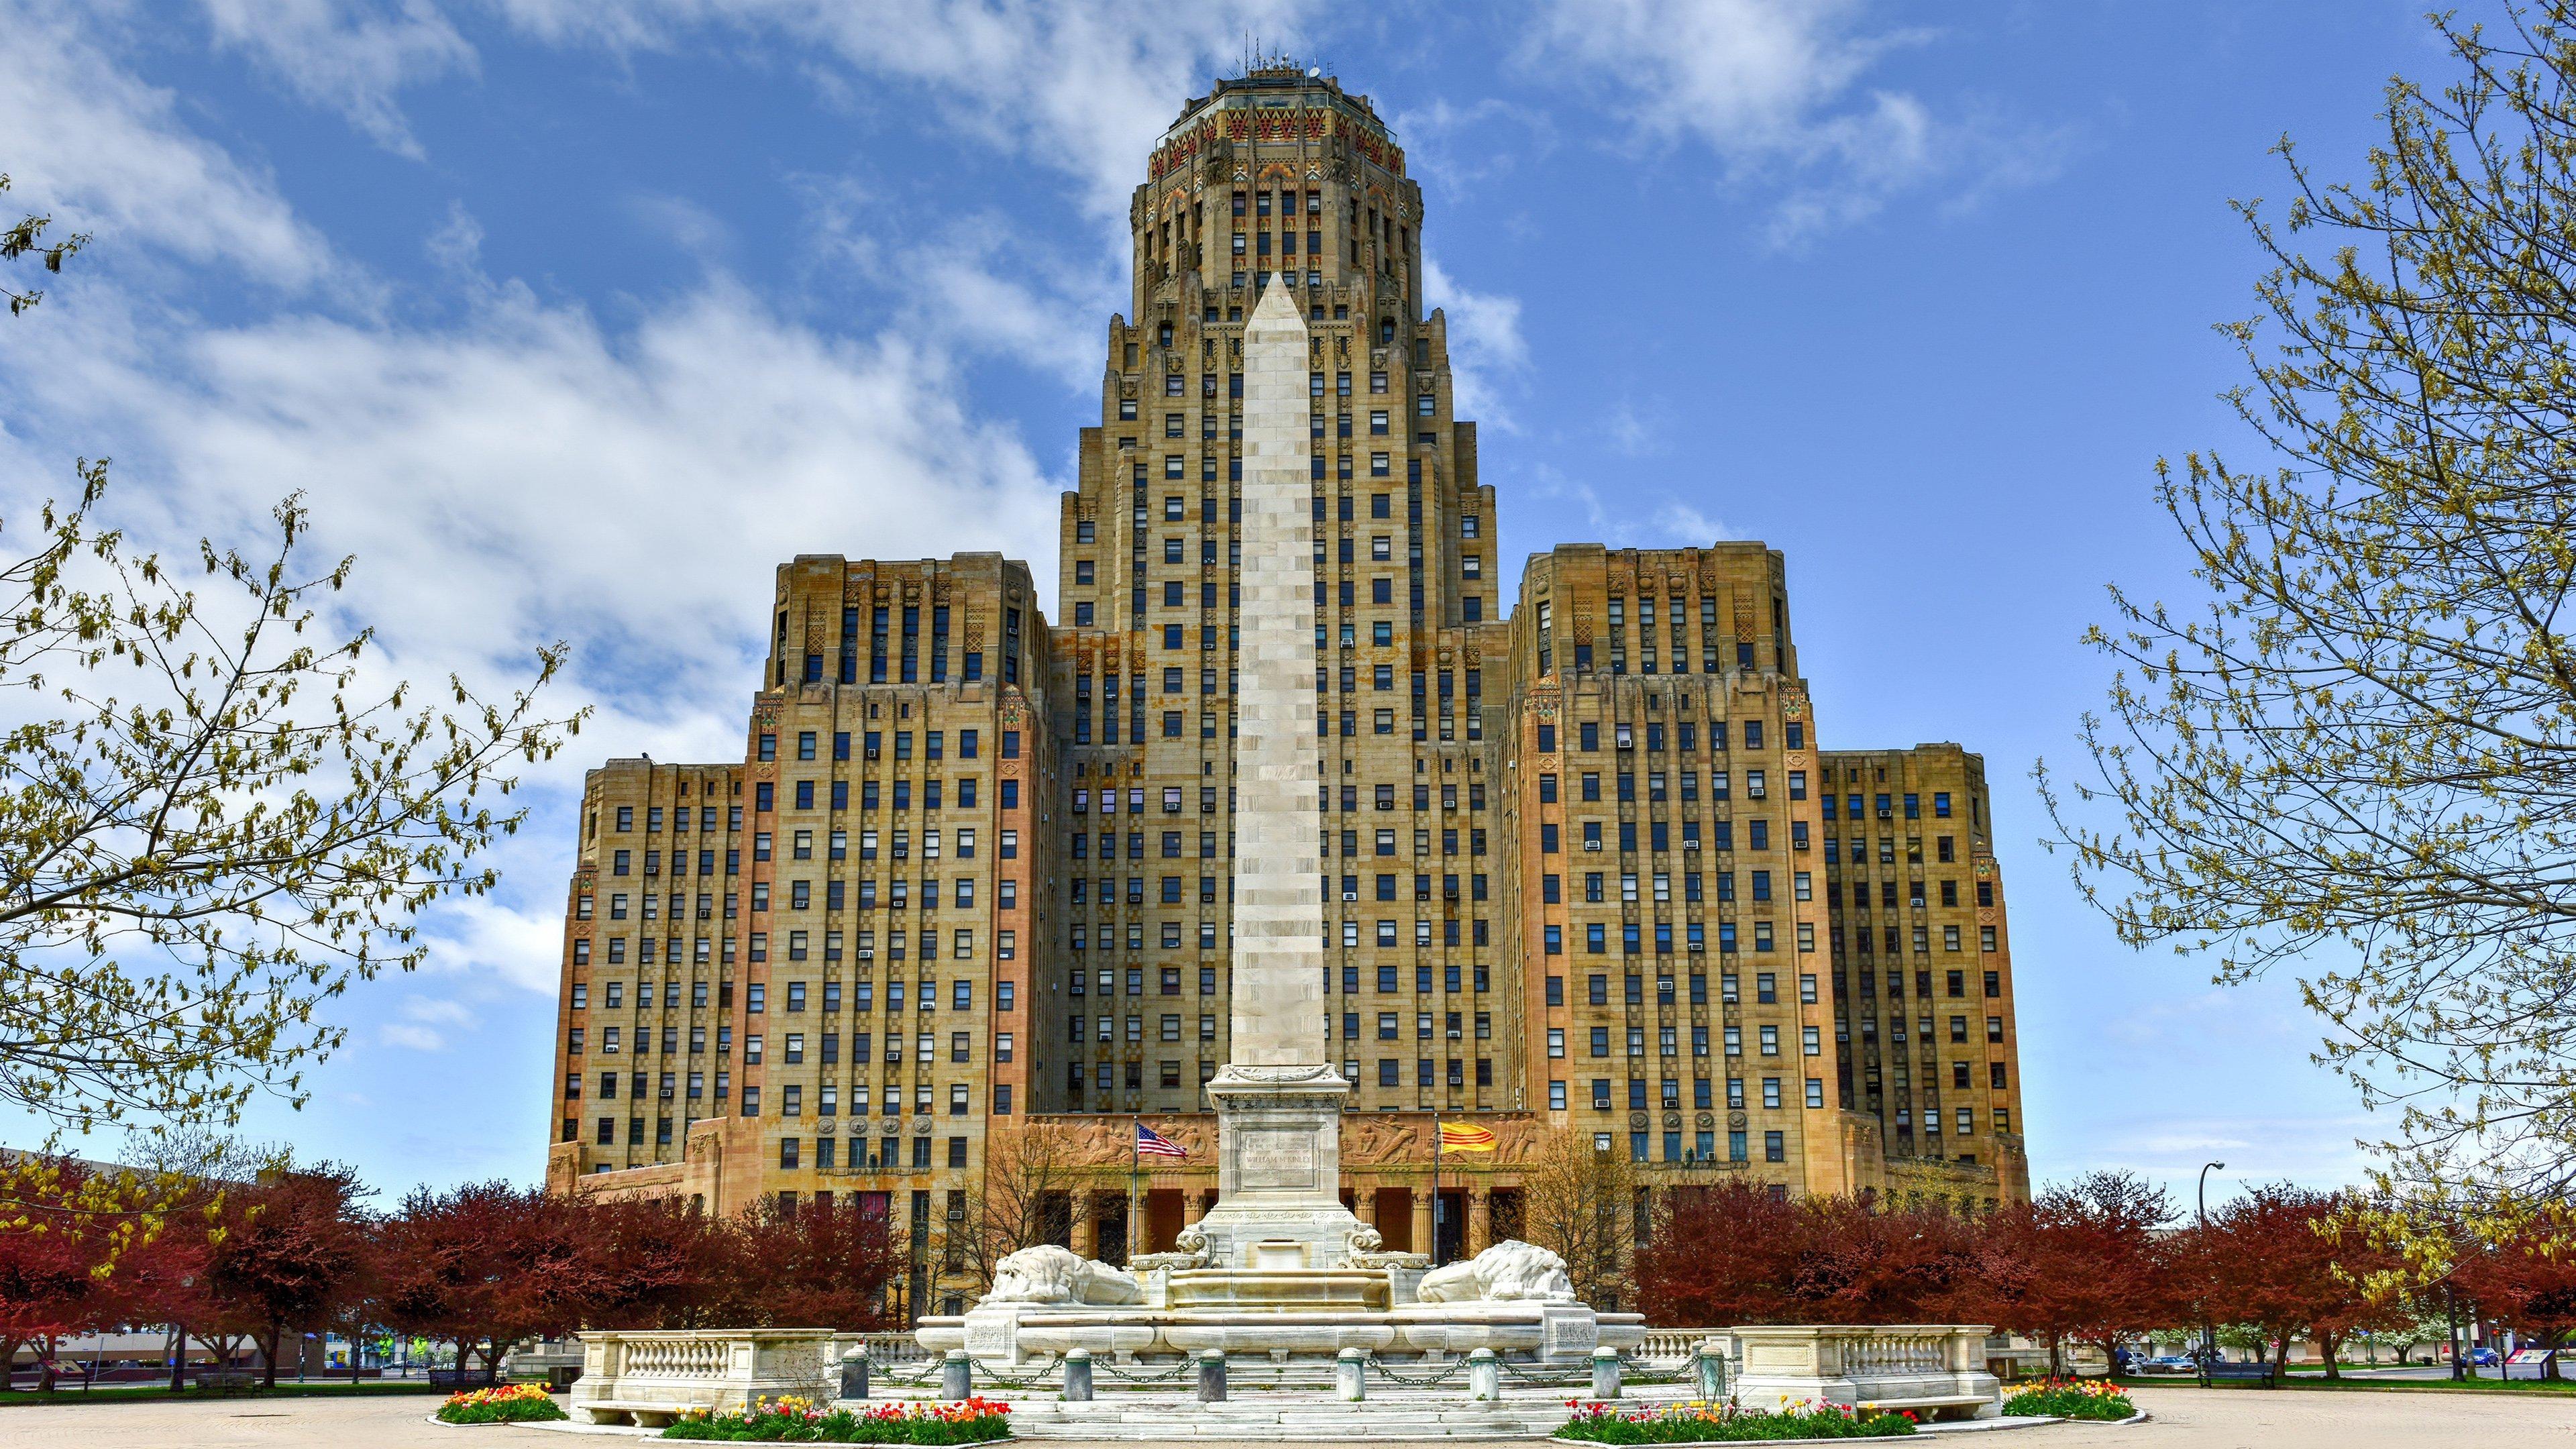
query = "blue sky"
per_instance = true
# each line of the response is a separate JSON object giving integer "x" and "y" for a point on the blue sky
{"x": 574, "y": 317}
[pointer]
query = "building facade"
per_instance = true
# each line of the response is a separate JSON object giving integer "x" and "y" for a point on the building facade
{"x": 1587, "y": 865}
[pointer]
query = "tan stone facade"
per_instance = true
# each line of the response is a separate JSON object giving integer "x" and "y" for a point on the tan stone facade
{"x": 1582, "y": 866}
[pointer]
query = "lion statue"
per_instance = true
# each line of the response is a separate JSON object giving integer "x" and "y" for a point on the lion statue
{"x": 1507, "y": 1270}
{"x": 1049, "y": 1274}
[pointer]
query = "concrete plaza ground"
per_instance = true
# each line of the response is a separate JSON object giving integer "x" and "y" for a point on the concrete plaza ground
{"x": 2184, "y": 1419}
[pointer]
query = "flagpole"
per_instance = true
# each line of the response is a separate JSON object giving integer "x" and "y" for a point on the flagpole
{"x": 1437, "y": 1147}
{"x": 1135, "y": 1165}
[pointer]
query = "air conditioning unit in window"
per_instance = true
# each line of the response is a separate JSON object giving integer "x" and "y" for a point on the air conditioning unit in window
{"x": 872, "y": 752}
{"x": 1886, "y": 814}
{"x": 1690, "y": 845}
{"x": 867, "y": 953}
{"x": 1350, "y": 895}
{"x": 1592, "y": 845}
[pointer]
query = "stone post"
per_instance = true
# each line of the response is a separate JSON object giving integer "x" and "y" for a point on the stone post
{"x": 1480, "y": 1219}
{"x": 1364, "y": 1202}
{"x": 1484, "y": 1376}
{"x": 1709, "y": 1359}
{"x": 1350, "y": 1375}
{"x": 1077, "y": 1377}
{"x": 1605, "y": 1373}
{"x": 957, "y": 1376}
{"x": 1211, "y": 1376}
{"x": 854, "y": 1372}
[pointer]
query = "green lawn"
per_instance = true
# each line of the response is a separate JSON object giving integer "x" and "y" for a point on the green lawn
{"x": 2318, "y": 1380}
{"x": 286, "y": 1389}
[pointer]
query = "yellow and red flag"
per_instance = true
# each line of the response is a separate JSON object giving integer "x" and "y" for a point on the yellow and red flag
{"x": 1466, "y": 1137}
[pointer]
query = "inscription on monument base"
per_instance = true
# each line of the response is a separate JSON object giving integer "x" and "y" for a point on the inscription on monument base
{"x": 1569, "y": 1334}
{"x": 995, "y": 1336}
{"x": 1276, "y": 1160}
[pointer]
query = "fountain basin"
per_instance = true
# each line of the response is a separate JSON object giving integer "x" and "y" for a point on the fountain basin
{"x": 1296, "y": 1289}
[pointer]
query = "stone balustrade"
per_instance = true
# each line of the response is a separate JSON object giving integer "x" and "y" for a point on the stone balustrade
{"x": 1677, "y": 1345}
{"x": 651, "y": 1378}
{"x": 1936, "y": 1370}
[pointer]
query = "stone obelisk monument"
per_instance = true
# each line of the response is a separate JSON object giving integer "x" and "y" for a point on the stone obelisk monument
{"x": 1278, "y": 1099}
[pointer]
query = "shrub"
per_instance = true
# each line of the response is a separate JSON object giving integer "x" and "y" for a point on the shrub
{"x": 508, "y": 1404}
{"x": 1698, "y": 1421}
{"x": 975, "y": 1421}
{"x": 2073, "y": 1399}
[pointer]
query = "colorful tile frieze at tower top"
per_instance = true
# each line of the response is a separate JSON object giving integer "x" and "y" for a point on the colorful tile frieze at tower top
{"x": 1587, "y": 862}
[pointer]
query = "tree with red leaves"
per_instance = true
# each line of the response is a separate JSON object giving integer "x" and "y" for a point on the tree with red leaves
{"x": 1736, "y": 1254}
{"x": 291, "y": 1252}
{"x": 2264, "y": 1262}
{"x": 2527, "y": 1281}
{"x": 483, "y": 1266}
{"x": 2081, "y": 1262}
{"x": 50, "y": 1264}
{"x": 1719, "y": 1255}
{"x": 659, "y": 1263}
{"x": 1864, "y": 1263}
{"x": 817, "y": 1266}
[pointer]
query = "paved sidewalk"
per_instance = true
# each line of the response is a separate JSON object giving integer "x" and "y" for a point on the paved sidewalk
{"x": 2184, "y": 1419}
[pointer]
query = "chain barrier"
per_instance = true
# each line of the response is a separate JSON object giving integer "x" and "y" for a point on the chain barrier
{"x": 1036, "y": 1379}
{"x": 886, "y": 1370}
{"x": 1547, "y": 1381}
{"x": 1176, "y": 1371}
{"x": 1452, "y": 1371}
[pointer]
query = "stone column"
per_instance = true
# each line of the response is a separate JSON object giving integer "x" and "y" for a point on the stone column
{"x": 1202, "y": 1203}
{"x": 1278, "y": 996}
{"x": 1364, "y": 1202}
{"x": 1086, "y": 1226}
{"x": 1480, "y": 1219}
{"x": 1422, "y": 1240}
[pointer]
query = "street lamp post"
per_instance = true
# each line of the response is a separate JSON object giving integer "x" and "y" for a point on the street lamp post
{"x": 2208, "y": 1331}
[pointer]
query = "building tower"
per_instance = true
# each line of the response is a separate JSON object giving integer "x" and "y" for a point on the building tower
{"x": 1587, "y": 869}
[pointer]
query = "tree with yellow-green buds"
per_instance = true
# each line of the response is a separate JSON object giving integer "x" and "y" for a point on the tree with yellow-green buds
{"x": 2353, "y": 760}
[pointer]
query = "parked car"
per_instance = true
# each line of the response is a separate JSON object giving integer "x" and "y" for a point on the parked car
{"x": 2172, "y": 1363}
{"x": 2484, "y": 1357}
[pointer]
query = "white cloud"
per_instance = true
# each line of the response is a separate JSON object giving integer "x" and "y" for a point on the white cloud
{"x": 413, "y": 1035}
{"x": 1631, "y": 517}
{"x": 1082, "y": 86}
{"x": 2319, "y": 1150}
{"x": 104, "y": 153}
{"x": 425, "y": 1023}
{"x": 1485, "y": 344}
{"x": 351, "y": 56}
{"x": 515, "y": 947}
{"x": 1775, "y": 89}
{"x": 510, "y": 473}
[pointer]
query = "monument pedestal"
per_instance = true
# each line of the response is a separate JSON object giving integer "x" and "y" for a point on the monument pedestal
{"x": 1279, "y": 1205}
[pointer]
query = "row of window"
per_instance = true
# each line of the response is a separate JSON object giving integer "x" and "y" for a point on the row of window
{"x": 961, "y": 995}
{"x": 905, "y": 666}
{"x": 1659, "y": 835}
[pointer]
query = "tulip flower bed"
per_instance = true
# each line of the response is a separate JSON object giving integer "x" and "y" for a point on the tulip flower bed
{"x": 508, "y": 1404}
{"x": 2073, "y": 1399}
{"x": 1698, "y": 1421}
{"x": 796, "y": 1420}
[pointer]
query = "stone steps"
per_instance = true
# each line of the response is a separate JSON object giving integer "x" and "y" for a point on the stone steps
{"x": 1376, "y": 1419}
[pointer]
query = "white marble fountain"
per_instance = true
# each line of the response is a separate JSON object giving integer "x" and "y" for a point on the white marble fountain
{"x": 1279, "y": 1266}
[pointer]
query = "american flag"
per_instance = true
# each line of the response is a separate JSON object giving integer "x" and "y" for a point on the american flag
{"x": 1154, "y": 1144}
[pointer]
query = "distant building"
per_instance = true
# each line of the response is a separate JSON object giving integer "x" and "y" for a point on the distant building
{"x": 1589, "y": 866}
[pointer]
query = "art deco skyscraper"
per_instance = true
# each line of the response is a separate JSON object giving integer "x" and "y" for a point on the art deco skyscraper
{"x": 1586, "y": 868}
